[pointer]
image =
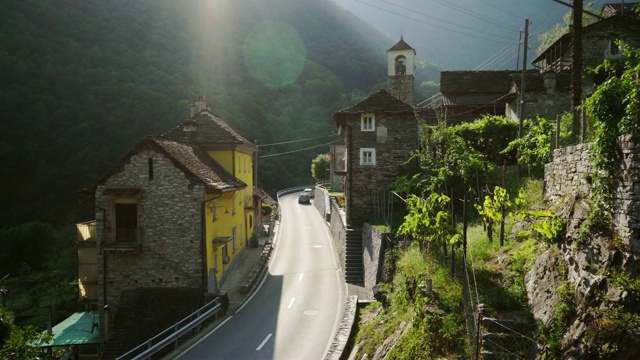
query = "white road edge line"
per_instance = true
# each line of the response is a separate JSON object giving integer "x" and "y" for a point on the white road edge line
{"x": 291, "y": 303}
{"x": 202, "y": 338}
{"x": 264, "y": 342}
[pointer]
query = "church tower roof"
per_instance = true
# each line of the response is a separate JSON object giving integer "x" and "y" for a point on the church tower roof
{"x": 401, "y": 45}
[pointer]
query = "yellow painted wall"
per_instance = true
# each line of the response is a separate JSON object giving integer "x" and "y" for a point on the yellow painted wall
{"x": 240, "y": 165}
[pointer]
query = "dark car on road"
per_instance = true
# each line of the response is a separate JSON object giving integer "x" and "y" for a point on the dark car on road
{"x": 304, "y": 198}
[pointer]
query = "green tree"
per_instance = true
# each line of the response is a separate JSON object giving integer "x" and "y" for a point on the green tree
{"x": 427, "y": 220}
{"x": 320, "y": 167}
{"x": 495, "y": 210}
{"x": 534, "y": 148}
{"x": 30, "y": 243}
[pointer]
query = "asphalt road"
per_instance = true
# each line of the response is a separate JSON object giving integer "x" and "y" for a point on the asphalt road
{"x": 298, "y": 306}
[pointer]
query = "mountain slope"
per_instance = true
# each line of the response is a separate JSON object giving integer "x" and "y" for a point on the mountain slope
{"x": 83, "y": 81}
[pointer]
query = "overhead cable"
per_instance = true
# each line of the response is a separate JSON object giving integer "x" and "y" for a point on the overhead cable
{"x": 424, "y": 22}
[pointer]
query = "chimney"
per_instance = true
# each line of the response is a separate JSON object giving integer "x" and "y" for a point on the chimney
{"x": 198, "y": 105}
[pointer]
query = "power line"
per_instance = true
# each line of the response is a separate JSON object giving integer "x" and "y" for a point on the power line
{"x": 476, "y": 15}
{"x": 503, "y": 10}
{"x": 293, "y": 141}
{"x": 440, "y": 27}
{"x": 295, "y": 151}
{"x": 435, "y": 18}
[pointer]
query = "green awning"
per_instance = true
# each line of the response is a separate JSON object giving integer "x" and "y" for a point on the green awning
{"x": 79, "y": 328}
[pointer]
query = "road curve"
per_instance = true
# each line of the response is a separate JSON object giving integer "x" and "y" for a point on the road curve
{"x": 297, "y": 308}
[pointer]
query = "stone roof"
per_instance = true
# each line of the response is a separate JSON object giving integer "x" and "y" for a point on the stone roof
{"x": 207, "y": 129}
{"x": 401, "y": 45}
{"x": 197, "y": 165}
{"x": 470, "y": 88}
{"x": 478, "y": 82}
{"x": 263, "y": 195}
{"x": 379, "y": 102}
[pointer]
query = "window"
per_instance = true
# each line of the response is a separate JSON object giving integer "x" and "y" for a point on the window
{"x": 613, "y": 47}
{"x": 233, "y": 237}
{"x": 233, "y": 204}
{"x": 225, "y": 255}
{"x": 150, "y": 165}
{"x": 214, "y": 211}
{"x": 368, "y": 122}
{"x": 367, "y": 156}
{"x": 401, "y": 65}
{"x": 127, "y": 223}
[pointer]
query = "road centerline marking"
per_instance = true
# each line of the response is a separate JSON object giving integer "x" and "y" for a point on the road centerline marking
{"x": 264, "y": 342}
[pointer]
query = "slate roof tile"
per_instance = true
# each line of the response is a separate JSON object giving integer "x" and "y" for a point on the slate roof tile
{"x": 378, "y": 102}
{"x": 209, "y": 129}
{"x": 196, "y": 164}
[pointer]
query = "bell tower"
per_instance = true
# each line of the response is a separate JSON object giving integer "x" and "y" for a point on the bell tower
{"x": 400, "y": 69}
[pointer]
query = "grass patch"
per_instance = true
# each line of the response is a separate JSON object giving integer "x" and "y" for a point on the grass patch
{"x": 437, "y": 321}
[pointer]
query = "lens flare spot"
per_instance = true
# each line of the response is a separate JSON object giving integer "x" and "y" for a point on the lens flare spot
{"x": 274, "y": 54}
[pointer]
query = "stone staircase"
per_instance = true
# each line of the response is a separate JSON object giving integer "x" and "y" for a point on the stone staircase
{"x": 354, "y": 268}
{"x": 497, "y": 341}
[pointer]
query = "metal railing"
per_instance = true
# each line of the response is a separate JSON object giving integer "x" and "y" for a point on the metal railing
{"x": 293, "y": 190}
{"x": 171, "y": 335}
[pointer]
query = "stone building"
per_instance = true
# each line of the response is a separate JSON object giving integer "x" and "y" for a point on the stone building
{"x": 171, "y": 217}
{"x": 598, "y": 43}
{"x": 468, "y": 95}
{"x": 380, "y": 133}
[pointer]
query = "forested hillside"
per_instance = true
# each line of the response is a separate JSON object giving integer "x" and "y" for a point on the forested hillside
{"x": 82, "y": 81}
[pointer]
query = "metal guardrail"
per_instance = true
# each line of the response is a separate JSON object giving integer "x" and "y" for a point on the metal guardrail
{"x": 171, "y": 335}
{"x": 293, "y": 190}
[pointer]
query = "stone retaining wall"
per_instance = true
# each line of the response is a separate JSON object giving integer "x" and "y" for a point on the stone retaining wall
{"x": 373, "y": 255}
{"x": 571, "y": 172}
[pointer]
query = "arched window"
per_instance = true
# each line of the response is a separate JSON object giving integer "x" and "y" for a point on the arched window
{"x": 401, "y": 66}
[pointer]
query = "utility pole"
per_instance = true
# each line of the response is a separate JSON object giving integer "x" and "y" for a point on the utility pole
{"x": 523, "y": 84}
{"x": 576, "y": 70}
{"x": 518, "y": 58}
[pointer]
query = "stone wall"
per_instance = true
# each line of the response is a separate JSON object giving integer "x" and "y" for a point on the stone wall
{"x": 546, "y": 105}
{"x": 338, "y": 233}
{"x": 169, "y": 254}
{"x": 322, "y": 202}
{"x": 373, "y": 255}
{"x": 571, "y": 172}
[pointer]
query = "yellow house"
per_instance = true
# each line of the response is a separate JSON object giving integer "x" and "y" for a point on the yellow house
{"x": 171, "y": 217}
{"x": 229, "y": 221}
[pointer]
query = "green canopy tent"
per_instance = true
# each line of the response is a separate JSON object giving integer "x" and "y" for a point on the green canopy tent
{"x": 79, "y": 330}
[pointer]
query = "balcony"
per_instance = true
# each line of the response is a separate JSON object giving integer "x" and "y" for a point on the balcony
{"x": 122, "y": 239}
{"x": 86, "y": 232}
